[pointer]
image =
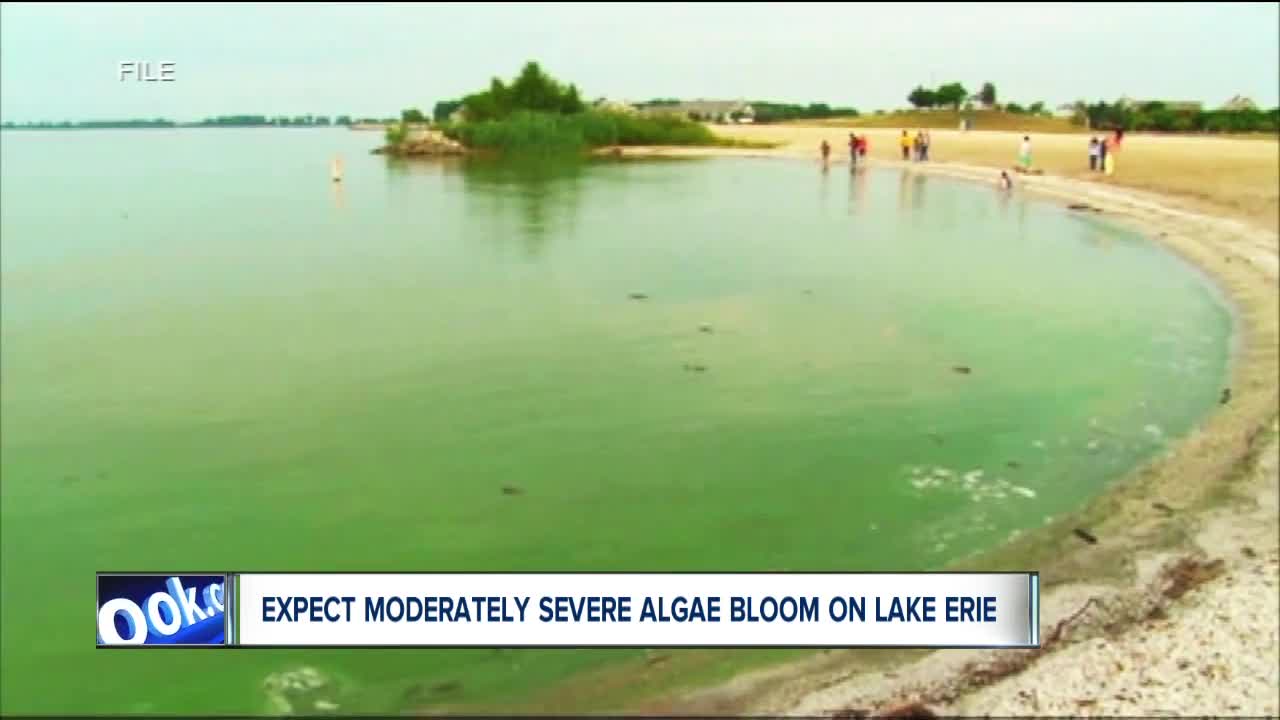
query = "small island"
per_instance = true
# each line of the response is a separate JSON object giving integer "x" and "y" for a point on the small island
{"x": 535, "y": 113}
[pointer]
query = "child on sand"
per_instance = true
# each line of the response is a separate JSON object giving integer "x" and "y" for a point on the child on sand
{"x": 853, "y": 150}
{"x": 1024, "y": 153}
{"x": 1006, "y": 182}
{"x": 825, "y": 149}
{"x": 862, "y": 146}
{"x": 906, "y": 145}
{"x": 1093, "y": 153}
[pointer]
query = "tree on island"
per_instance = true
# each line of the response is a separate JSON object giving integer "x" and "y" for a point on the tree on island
{"x": 537, "y": 113}
{"x": 412, "y": 115}
{"x": 533, "y": 90}
{"x": 445, "y": 109}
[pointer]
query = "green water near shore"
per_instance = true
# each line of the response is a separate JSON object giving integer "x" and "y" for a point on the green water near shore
{"x": 214, "y": 357}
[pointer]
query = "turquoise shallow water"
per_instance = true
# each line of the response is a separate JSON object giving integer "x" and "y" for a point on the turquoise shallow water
{"x": 214, "y": 357}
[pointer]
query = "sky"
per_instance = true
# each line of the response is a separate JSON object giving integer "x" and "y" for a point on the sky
{"x": 61, "y": 62}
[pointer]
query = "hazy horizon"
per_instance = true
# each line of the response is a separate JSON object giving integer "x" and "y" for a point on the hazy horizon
{"x": 373, "y": 60}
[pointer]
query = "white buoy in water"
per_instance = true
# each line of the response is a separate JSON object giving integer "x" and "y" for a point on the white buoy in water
{"x": 335, "y": 169}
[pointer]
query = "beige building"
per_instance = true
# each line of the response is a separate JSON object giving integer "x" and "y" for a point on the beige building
{"x": 721, "y": 111}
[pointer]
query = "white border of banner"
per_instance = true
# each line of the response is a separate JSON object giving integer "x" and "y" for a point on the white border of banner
{"x": 1020, "y": 588}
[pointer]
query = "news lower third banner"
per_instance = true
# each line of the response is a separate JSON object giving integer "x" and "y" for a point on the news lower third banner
{"x": 508, "y": 610}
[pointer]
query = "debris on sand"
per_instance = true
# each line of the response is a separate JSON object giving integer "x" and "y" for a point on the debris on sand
{"x": 638, "y": 296}
{"x": 1086, "y": 536}
{"x": 512, "y": 490}
{"x": 1084, "y": 206}
{"x": 1187, "y": 573}
{"x": 962, "y": 369}
{"x": 1226, "y": 396}
{"x": 909, "y": 711}
{"x": 1163, "y": 508}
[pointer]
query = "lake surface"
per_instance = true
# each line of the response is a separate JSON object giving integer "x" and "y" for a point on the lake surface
{"x": 215, "y": 358}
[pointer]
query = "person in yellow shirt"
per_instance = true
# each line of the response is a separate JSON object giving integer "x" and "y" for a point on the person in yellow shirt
{"x": 907, "y": 142}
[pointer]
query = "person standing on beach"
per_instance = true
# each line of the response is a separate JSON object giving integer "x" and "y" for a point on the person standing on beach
{"x": 862, "y": 146}
{"x": 853, "y": 151}
{"x": 1102, "y": 154}
{"x": 925, "y": 139}
{"x": 825, "y": 149}
{"x": 1094, "y": 149}
{"x": 1109, "y": 165}
{"x": 906, "y": 145}
{"x": 1006, "y": 182}
{"x": 1024, "y": 153}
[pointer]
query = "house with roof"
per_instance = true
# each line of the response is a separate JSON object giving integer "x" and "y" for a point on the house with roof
{"x": 719, "y": 111}
{"x": 617, "y": 106}
{"x": 1240, "y": 102}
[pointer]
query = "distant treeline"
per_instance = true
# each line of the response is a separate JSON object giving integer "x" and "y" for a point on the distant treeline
{"x": 764, "y": 111}
{"x": 89, "y": 124}
{"x": 1160, "y": 117}
{"x": 768, "y": 112}
{"x": 219, "y": 121}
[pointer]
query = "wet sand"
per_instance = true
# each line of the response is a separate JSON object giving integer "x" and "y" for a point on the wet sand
{"x": 1126, "y": 646}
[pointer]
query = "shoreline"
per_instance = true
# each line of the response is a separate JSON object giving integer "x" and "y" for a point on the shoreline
{"x": 1222, "y": 472}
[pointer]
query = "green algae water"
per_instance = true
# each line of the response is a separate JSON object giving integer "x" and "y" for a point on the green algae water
{"x": 215, "y": 358}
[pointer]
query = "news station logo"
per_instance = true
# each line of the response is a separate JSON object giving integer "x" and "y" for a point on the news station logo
{"x": 168, "y": 609}
{"x": 145, "y": 71}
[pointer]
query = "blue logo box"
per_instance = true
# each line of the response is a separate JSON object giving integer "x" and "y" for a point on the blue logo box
{"x": 163, "y": 610}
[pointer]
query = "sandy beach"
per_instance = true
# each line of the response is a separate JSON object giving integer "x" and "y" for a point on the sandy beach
{"x": 1173, "y": 610}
